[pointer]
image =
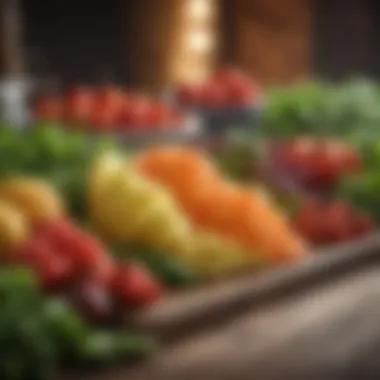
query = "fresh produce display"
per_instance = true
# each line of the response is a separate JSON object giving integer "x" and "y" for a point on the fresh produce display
{"x": 40, "y": 333}
{"x": 108, "y": 109}
{"x": 90, "y": 235}
{"x": 211, "y": 202}
{"x": 314, "y": 164}
{"x": 323, "y": 109}
{"x": 330, "y": 222}
{"x": 128, "y": 208}
{"x": 227, "y": 88}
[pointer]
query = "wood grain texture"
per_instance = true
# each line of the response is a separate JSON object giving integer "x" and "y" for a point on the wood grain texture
{"x": 329, "y": 333}
{"x": 272, "y": 39}
{"x": 196, "y": 310}
{"x": 320, "y": 330}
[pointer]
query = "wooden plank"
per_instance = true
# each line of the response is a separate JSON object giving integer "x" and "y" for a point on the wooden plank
{"x": 197, "y": 310}
{"x": 324, "y": 333}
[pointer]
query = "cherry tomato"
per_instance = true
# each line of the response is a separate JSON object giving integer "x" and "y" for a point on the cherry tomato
{"x": 159, "y": 117}
{"x": 78, "y": 105}
{"x": 111, "y": 97}
{"x": 140, "y": 113}
{"x": 48, "y": 109}
{"x": 135, "y": 287}
{"x": 104, "y": 118}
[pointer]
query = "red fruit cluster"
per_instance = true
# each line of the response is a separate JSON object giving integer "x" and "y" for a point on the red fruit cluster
{"x": 66, "y": 258}
{"x": 331, "y": 222}
{"x": 108, "y": 109}
{"x": 228, "y": 88}
{"x": 316, "y": 164}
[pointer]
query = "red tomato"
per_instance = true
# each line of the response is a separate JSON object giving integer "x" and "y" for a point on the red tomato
{"x": 240, "y": 95}
{"x": 78, "y": 105}
{"x": 327, "y": 162}
{"x": 140, "y": 113}
{"x": 160, "y": 116}
{"x": 213, "y": 94}
{"x": 36, "y": 249}
{"x": 48, "y": 109}
{"x": 308, "y": 222}
{"x": 53, "y": 271}
{"x": 135, "y": 287}
{"x": 337, "y": 219}
{"x": 109, "y": 96}
{"x": 189, "y": 94}
{"x": 351, "y": 161}
{"x": 361, "y": 224}
{"x": 61, "y": 234}
{"x": 104, "y": 119}
{"x": 230, "y": 75}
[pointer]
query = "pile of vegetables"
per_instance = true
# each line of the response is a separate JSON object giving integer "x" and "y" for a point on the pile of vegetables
{"x": 323, "y": 109}
{"x": 89, "y": 234}
{"x": 108, "y": 109}
{"x": 39, "y": 333}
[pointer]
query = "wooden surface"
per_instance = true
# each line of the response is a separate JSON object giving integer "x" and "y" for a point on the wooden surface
{"x": 321, "y": 330}
{"x": 330, "y": 333}
{"x": 196, "y": 310}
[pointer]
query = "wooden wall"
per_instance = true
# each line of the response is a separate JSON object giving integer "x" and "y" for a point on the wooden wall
{"x": 272, "y": 39}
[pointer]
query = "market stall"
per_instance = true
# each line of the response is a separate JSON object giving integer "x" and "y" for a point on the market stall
{"x": 132, "y": 223}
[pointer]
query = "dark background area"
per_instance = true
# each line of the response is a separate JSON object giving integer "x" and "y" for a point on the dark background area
{"x": 91, "y": 41}
{"x": 76, "y": 40}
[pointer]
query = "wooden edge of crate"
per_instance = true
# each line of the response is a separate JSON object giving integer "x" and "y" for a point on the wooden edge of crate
{"x": 182, "y": 314}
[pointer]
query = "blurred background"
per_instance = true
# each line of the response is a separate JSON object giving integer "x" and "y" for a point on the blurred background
{"x": 150, "y": 44}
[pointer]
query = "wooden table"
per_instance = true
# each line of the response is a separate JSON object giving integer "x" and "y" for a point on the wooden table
{"x": 329, "y": 329}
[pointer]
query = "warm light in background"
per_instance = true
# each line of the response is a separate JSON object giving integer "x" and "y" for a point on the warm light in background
{"x": 199, "y": 9}
{"x": 200, "y": 42}
{"x": 196, "y": 46}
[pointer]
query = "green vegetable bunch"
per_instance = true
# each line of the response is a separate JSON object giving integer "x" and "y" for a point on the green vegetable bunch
{"x": 37, "y": 334}
{"x": 323, "y": 109}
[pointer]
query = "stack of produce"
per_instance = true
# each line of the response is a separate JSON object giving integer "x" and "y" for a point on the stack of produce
{"x": 35, "y": 232}
{"x": 324, "y": 223}
{"x": 108, "y": 109}
{"x": 311, "y": 164}
{"x": 130, "y": 209}
{"x": 228, "y": 88}
{"x": 40, "y": 333}
{"x": 211, "y": 202}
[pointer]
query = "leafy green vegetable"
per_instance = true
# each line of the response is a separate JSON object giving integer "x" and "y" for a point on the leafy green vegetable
{"x": 37, "y": 333}
{"x": 323, "y": 109}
